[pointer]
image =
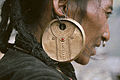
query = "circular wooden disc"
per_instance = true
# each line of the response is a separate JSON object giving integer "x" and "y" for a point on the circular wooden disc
{"x": 63, "y": 45}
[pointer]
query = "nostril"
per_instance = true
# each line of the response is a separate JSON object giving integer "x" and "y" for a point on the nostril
{"x": 106, "y": 36}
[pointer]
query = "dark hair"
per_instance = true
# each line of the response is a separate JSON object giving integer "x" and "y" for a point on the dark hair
{"x": 21, "y": 14}
{"x": 15, "y": 12}
{"x": 83, "y": 6}
{"x": 24, "y": 39}
{"x": 5, "y": 28}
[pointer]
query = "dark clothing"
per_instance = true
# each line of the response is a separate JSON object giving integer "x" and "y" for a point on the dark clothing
{"x": 16, "y": 65}
{"x": 34, "y": 64}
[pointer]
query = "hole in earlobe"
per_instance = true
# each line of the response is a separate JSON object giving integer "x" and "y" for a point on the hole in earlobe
{"x": 62, "y": 26}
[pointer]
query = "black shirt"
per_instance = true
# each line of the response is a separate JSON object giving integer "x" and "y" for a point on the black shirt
{"x": 17, "y": 65}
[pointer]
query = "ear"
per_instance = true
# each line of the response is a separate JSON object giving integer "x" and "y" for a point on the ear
{"x": 58, "y": 6}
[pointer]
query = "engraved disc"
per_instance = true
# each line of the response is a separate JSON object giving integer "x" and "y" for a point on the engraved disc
{"x": 63, "y": 42}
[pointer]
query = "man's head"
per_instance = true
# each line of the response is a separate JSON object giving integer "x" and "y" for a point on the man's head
{"x": 96, "y": 26}
{"x": 91, "y": 14}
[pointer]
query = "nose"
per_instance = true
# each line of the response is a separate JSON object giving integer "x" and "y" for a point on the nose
{"x": 106, "y": 34}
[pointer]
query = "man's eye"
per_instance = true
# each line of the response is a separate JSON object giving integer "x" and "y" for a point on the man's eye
{"x": 108, "y": 14}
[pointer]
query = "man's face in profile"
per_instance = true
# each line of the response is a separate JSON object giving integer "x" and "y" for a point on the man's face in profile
{"x": 94, "y": 22}
{"x": 96, "y": 27}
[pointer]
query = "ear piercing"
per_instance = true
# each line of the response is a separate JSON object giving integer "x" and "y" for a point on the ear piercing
{"x": 104, "y": 43}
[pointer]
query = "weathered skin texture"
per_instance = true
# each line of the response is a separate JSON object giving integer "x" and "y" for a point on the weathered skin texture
{"x": 96, "y": 27}
{"x": 94, "y": 23}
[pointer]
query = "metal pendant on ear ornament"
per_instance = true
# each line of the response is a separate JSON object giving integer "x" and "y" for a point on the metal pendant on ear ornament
{"x": 63, "y": 40}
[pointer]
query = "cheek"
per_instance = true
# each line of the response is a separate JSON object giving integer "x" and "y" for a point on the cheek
{"x": 91, "y": 29}
{"x": 94, "y": 23}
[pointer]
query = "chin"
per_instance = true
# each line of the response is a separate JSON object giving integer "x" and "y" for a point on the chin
{"x": 83, "y": 60}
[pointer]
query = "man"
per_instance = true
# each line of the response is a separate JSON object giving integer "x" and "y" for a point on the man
{"x": 30, "y": 19}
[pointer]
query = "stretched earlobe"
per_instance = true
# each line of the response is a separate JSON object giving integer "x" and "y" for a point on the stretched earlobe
{"x": 59, "y": 6}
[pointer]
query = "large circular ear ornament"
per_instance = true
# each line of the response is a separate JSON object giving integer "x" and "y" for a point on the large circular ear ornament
{"x": 63, "y": 40}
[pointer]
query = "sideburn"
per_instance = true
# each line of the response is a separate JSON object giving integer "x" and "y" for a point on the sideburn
{"x": 77, "y": 7}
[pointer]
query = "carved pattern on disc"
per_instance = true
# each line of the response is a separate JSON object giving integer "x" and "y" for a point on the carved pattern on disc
{"x": 62, "y": 45}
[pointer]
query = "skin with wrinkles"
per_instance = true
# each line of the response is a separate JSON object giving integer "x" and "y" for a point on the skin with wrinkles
{"x": 94, "y": 22}
{"x": 96, "y": 27}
